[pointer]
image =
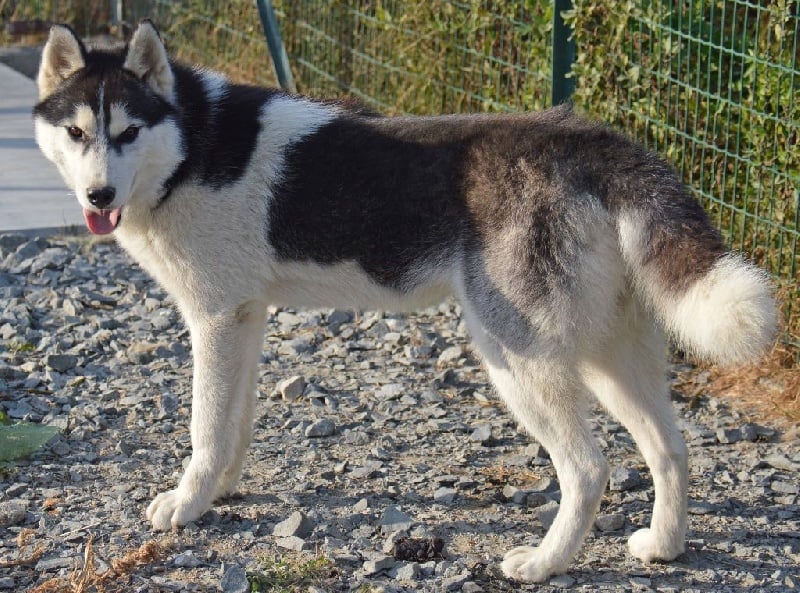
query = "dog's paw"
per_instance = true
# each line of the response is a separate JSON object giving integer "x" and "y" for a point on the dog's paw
{"x": 525, "y": 564}
{"x": 646, "y": 545}
{"x": 170, "y": 510}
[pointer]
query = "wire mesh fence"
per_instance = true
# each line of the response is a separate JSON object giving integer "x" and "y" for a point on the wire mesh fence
{"x": 423, "y": 56}
{"x": 712, "y": 85}
{"x": 715, "y": 88}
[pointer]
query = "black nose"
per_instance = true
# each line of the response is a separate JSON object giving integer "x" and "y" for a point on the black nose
{"x": 101, "y": 197}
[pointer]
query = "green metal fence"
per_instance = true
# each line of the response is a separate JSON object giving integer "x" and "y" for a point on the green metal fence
{"x": 712, "y": 85}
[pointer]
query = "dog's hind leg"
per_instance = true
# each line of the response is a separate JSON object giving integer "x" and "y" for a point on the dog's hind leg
{"x": 226, "y": 350}
{"x": 629, "y": 377}
{"x": 545, "y": 395}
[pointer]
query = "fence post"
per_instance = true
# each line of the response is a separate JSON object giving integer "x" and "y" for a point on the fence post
{"x": 563, "y": 55}
{"x": 277, "y": 51}
{"x": 117, "y": 11}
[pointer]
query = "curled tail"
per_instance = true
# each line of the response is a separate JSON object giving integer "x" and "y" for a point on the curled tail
{"x": 713, "y": 302}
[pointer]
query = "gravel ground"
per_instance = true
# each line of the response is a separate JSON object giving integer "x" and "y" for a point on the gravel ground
{"x": 367, "y": 423}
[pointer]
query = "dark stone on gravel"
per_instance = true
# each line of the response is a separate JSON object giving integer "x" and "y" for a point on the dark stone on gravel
{"x": 62, "y": 362}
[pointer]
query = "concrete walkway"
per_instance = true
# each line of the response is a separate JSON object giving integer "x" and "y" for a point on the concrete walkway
{"x": 33, "y": 198}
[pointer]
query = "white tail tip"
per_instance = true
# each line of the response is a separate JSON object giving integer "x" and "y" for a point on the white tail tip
{"x": 729, "y": 316}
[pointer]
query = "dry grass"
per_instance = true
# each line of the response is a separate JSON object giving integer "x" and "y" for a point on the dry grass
{"x": 501, "y": 474}
{"x": 769, "y": 389}
{"x": 85, "y": 579}
{"x": 25, "y": 556}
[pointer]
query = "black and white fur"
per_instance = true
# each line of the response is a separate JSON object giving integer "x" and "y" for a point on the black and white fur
{"x": 571, "y": 250}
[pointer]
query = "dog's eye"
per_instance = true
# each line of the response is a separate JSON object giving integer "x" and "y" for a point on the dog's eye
{"x": 75, "y": 132}
{"x": 129, "y": 135}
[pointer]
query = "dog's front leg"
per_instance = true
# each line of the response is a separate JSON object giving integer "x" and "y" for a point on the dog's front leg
{"x": 226, "y": 348}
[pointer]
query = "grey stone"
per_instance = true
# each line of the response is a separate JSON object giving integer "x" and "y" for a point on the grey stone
{"x": 780, "y": 461}
{"x": 729, "y": 435}
{"x": 292, "y": 388}
{"x": 52, "y": 258}
{"x": 296, "y": 346}
{"x": 289, "y": 319}
{"x": 749, "y": 432}
{"x": 563, "y": 581}
{"x": 324, "y": 427}
{"x": 408, "y": 571}
{"x": 784, "y": 487}
{"x": 234, "y": 580}
{"x": 641, "y": 583}
{"x": 444, "y": 495}
{"x": 455, "y": 582}
{"x": 701, "y": 507}
{"x": 390, "y": 391}
{"x": 481, "y": 434}
{"x": 536, "y": 499}
{"x": 450, "y": 355}
{"x": 378, "y": 564}
{"x": 471, "y": 587}
{"x": 12, "y": 512}
{"x": 624, "y": 478}
{"x": 9, "y": 242}
{"x": 54, "y": 563}
{"x": 514, "y": 494}
{"x": 7, "y": 583}
{"x": 291, "y": 542}
{"x": 390, "y": 542}
{"x": 62, "y": 362}
{"x": 547, "y": 513}
{"x": 16, "y": 489}
{"x": 162, "y": 321}
{"x": 140, "y": 353}
{"x": 298, "y": 525}
{"x": 544, "y": 484}
{"x": 30, "y": 249}
{"x": 370, "y": 469}
{"x": 18, "y": 409}
{"x": 610, "y": 522}
{"x": 186, "y": 559}
{"x": 393, "y": 519}
{"x": 339, "y": 317}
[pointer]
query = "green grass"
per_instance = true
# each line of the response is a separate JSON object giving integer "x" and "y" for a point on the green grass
{"x": 19, "y": 347}
{"x": 290, "y": 574}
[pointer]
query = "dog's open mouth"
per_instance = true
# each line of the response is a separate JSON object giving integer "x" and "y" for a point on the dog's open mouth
{"x": 103, "y": 222}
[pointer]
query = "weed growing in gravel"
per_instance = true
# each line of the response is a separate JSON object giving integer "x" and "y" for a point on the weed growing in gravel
{"x": 18, "y": 347}
{"x": 287, "y": 574}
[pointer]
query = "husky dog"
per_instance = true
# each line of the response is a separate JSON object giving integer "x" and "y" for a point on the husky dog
{"x": 572, "y": 250}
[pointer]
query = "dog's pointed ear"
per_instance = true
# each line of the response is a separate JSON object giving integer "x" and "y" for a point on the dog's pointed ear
{"x": 147, "y": 59}
{"x": 63, "y": 54}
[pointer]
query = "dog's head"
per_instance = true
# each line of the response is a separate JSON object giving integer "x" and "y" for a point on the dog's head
{"x": 106, "y": 117}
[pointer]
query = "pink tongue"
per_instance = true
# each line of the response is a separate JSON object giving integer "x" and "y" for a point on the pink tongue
{"x": 103, "y": 222}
